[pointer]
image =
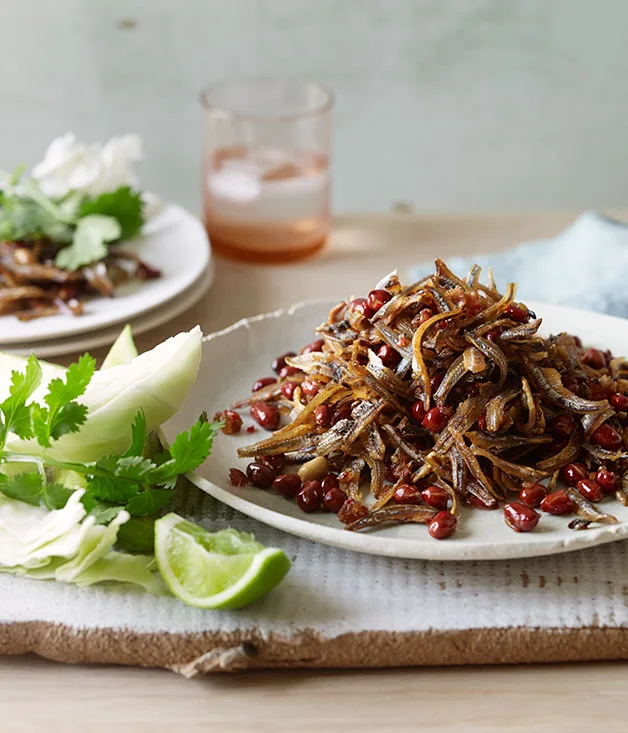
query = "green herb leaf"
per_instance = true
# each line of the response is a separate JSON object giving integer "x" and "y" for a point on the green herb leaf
{"x": 23, "y": 219}
{"x": 110, "y": 489}
{"x": 130, "y": 468}
{"x": 55, "y": 496}
{"x": 27, "y": 487}
{"x": 138, "y": 436}
{"x": 137, "y": 535}
{"x": 187, "y": 452}
{"x": 63, "y": 414}
{"x": 90, "y": 241}
{"x": 104, "y": 512}
{"x": 16, "y": 416}
{"x": 123, "y": 204}
{"x": 149, "y": 501}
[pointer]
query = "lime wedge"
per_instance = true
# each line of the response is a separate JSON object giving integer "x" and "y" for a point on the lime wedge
{"x": 123, "y": 350}
{"x": 225, "y": 569}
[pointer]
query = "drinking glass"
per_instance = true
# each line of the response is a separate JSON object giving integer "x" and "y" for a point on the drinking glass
{"x": 266, "y": 178}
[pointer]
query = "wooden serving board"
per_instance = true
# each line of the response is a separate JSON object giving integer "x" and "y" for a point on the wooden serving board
{"x": 338, "y": 608}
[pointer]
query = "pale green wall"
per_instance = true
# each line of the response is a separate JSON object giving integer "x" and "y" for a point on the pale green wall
{"x": 448, "y": 104}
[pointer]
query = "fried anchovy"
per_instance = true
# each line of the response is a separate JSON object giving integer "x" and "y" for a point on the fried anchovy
{"x": 375, "y": 446}
{"x": 586, "y": 510}
{"x": 419, "y": 369}
{"x": 488, "y": 314}
{"x": 453, "y": 375}
{"x": 568, "y": 454}
{"x": 472, "y": 462}
{"x": 363, "y": 415}
{"x": 472, "y": 277}
{"x": 377, "y": 469}
{"x": 592, "y": 420}
{"x": 482, "y": 494}
{"x": 273, "y": 446}
{"x": 496, "y": 409}
{"x": 398, "y": 441}
{"x": 514, "y": 469}
{"x": 334, "y": 437}
{"x": 603, "y": 454}
{"x": 401, "y": 514}
{"x": 390, "y": 379}
{"x": 491, "y": 351}
{"x": 349, "y": 478}
{"x": 549, "y": 382}
{"x": 522, "y": 332}
{"x": 389, "y": 336}
{"x": 499, "y": 443}
{"x": 265, "y": 393}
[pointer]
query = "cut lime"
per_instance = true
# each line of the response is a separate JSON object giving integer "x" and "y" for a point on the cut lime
{"x": 123, "y": 350}
{"x": 225, "y": 569}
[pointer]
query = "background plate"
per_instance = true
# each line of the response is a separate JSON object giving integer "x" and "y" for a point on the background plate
{"x": 106, "y": 336}
{"x": 174, "y": 242}
{"x": 235, "y": 357}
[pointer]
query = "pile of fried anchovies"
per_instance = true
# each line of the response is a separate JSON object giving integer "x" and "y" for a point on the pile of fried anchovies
{"x": 32, "y": 286}
{"x": 447, "y": 383}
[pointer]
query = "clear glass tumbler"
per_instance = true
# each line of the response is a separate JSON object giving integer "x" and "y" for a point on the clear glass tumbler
{"x": 266, "y": 178}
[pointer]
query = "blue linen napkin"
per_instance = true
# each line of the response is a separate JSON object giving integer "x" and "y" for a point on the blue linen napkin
{"x": 586, "y": 266}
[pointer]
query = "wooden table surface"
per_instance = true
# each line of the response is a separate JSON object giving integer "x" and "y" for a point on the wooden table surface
{"x": 36, "y": 695}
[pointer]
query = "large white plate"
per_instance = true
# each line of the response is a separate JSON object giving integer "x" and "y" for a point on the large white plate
{"x": 235, "y": 357}
{"x": 174, "y": 242}
{"x": 106, "y": 336}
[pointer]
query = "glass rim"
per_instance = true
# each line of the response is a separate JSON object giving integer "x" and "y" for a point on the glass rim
{"x": 325, "y": 106}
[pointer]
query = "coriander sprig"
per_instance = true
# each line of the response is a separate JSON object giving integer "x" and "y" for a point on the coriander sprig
{"x": 141, "y": 484}
{"x": 84, "y": 225}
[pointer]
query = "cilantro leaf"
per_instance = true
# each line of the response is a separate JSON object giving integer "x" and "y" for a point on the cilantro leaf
{"x": 131, "y": 468}
{"x": 63, "y": 415}
{"x": 149, "y": 501}
{"x": 55, "y": 496}
{"x": 103, "y": 512}
{"x": 27, "y": 214}
{"x": 123, "y": 204}
{"x": 79, "y": 374}
{"x": 109, "y": 489}
{"x": 23, "y": 219}
{"x": 16, "y": 416}
{"x": 137, "y": 535}
{"x": 187, "y": 452}
{"x": 68, "y": 420}
{"x": 138, "y": 436}
{"x": 27, "y": 487}
{"x": 90, "y": 241}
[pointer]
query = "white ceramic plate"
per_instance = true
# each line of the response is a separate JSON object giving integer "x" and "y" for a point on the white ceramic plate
{"x": 174, "y": 242}
{"x": 106, "y": 336}
{"x": 235, "y": 357}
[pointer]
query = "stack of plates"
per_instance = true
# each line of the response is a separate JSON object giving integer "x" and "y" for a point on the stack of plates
{"x": 175, "y": 243}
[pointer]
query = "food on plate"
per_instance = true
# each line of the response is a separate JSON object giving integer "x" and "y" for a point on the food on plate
{"x": 416, "y": 401}
{"x": 84, "y": 479}
{"x": 63, "y": 224}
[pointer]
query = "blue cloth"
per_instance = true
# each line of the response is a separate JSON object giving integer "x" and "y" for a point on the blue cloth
{"x": 586, "y": 266}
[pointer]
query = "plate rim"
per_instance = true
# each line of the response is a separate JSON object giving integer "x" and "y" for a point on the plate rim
{"x": 371, "y": 543}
